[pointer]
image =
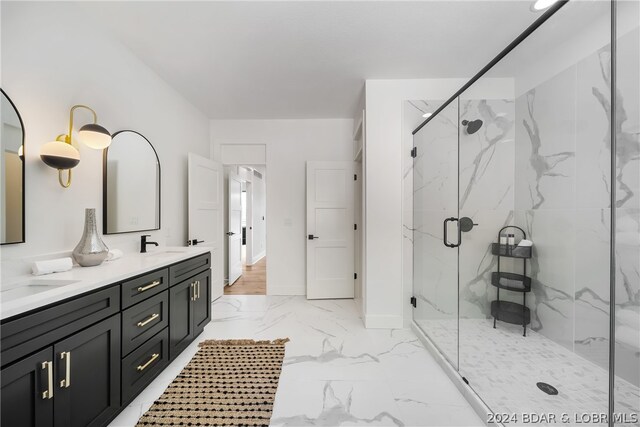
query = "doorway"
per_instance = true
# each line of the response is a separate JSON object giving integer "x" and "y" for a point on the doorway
{"x": 246, "y": 261}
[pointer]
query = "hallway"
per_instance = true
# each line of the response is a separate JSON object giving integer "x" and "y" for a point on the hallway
{"x": 252, "y": 282}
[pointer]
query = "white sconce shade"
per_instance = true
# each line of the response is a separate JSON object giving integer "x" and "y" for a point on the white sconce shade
{"x": 59, "y": 155}
{"x": 543, "y": 4}
{"x": 94, "y": 136}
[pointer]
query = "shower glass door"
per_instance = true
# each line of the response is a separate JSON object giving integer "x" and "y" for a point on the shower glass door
{"x": 435, "y": 202}
{"x": 530, "y": 146}
{"x": 535, "y": 156}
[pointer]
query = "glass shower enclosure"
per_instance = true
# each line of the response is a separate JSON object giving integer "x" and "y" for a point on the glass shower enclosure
{"x": 526, "y": 213}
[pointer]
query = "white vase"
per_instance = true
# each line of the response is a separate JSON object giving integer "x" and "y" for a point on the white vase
{"x": 90, "y": 250}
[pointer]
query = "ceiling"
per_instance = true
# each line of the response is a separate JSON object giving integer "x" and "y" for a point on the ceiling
{"x": 306, "y": 59}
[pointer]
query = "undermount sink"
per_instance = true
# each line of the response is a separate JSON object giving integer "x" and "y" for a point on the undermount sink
{"x": 32, "y": 287}
{"x": 166, "y": 253}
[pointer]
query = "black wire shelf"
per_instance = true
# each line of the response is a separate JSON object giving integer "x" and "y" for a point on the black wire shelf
{"x": 508, "y": 251}
{"x": 511, "y": 281}
{"x": 507, "y": 311}
{"x": 511, "y": 312}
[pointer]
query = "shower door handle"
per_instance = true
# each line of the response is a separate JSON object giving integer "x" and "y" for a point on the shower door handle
{"x": 446, "y": 237}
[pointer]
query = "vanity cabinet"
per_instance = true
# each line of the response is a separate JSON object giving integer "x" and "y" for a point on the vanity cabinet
{"x": 190, "y": 311}
{"x": 79, "y": 362}
{"x": 87, "y": 372}
{"x": 75, "y": 382}
{"x": 23, "y": 386}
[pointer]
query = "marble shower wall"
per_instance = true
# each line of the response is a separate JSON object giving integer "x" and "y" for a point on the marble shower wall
{"x": 627, "y": 312}
{"x": 486, "y": 195}
{"x": 562, "y": 200}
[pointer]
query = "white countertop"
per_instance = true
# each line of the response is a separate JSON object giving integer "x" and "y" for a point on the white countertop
{"x": 56, "y": 287}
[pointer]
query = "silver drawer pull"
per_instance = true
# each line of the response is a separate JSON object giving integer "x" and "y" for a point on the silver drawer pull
{"x": 149, "y": 362}
{"x": 66, "y": 356}
{"x": 193, "y": 291}
{"x": 151, "y": 318}
{"x": 198, "y": 289}
{"x": 48, "y": 393}
{"x": 149, "y": 286}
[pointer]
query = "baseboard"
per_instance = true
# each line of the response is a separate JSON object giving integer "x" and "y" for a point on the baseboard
{"x": 382, "y": 321}
{"x": 474, "y": 400}
{"x": 285, "y": 290}
{"x": 258, "y": 258}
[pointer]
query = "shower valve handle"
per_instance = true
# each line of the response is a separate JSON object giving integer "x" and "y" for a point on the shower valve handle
{"x": 466, "y": 224}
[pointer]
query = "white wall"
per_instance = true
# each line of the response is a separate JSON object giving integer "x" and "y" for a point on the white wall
{"x": 51, "y": 60}
{"x": 289, "y": 145}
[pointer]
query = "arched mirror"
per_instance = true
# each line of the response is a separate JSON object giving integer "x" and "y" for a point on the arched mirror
{"x": 11, "y": 173}
{"x": 131, "y": 181}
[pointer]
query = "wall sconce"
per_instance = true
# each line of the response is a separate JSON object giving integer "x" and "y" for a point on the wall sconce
{"x": 62, "y": 155}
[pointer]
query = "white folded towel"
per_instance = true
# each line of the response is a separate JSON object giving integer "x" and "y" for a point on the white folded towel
{"x": 51, "y": 266}
{"x": 525, "y": 243}
{"x": 114, "y": 254}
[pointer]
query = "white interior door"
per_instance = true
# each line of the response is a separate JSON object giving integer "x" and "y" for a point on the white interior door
{"x": 330, "y": 234}
{"x": 234, "y": 233}
{"x": 205, "y": 192}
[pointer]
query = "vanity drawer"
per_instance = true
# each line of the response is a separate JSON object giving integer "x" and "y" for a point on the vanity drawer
{"x": 25, "y": 334}
{"x": 143, "y": 287}
{"x": 144, "y": 364}
{"x": 182, "y": 271}
{"x": 144, "y": 320}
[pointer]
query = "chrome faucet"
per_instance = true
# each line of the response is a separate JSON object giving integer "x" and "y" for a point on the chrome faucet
{"x": 144, "y": 243}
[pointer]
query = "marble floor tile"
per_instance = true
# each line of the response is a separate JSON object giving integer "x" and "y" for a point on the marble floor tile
{"x": 335, "y": 403}
{"x": 335, "y": 372}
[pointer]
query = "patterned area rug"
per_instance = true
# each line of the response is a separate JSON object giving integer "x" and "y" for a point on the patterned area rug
{"x": 227, "y": 383}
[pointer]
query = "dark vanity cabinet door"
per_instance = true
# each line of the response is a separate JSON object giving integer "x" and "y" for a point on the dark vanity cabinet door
{"x": 25, "y": 388}
{"x": 181, "y": 331}
{"x": 202, "y": 302}
{"x": 88, "y": 382}
{"x": 189, "y": 311}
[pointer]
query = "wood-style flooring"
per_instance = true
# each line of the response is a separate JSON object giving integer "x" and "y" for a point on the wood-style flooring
{"x": 252, "y": 282}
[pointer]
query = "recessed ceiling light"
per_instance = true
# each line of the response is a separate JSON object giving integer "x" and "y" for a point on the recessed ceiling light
{"x": 543, "y": 4}
{"x": 426, "y": 115}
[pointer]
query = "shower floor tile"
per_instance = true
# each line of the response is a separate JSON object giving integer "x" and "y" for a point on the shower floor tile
{"x": 503, "y": 367}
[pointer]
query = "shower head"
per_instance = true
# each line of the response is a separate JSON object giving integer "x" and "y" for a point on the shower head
{"x": 472, "y": 126}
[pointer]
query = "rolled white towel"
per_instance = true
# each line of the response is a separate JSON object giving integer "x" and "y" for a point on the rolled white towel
{"x": 114, "y": 254}
{"x": 51, "y": 266}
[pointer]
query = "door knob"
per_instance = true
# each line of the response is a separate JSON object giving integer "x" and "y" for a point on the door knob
{"x": 195, "y": 242}
{"x": 311, "y": 237}
{"x": 466, "y": 224}
{"x": 230, "y": 233}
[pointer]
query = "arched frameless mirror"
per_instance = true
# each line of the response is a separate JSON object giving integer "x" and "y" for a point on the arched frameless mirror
{"x": 12, "y": 228}
{"x": 131, "y": 184}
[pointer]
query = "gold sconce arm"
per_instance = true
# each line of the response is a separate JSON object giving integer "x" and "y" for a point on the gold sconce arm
{"x": 68, "y": 183}
{"x": 73, "y": 109}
